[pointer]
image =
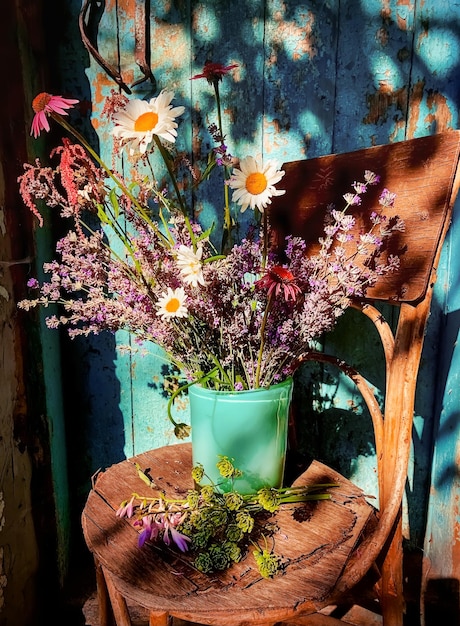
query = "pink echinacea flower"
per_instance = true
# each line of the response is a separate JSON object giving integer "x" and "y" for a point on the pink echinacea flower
{"x": 44, "y": 104}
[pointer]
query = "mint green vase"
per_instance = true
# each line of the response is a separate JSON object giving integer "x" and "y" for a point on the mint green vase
{"x": 250, "y": 427}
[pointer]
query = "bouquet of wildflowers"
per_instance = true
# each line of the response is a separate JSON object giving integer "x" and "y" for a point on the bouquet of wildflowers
{"x": 230, "y": 314}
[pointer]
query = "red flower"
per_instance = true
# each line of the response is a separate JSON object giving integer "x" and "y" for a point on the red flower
{"x": 279, "y": 278}
{"x": 214, "y": 72}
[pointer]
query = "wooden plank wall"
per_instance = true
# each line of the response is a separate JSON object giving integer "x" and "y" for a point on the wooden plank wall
{"x": 314, "y": 77}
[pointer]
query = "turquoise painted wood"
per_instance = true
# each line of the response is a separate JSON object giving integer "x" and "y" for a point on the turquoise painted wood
{"x": 55, "y": 418}
{"x": 313, "y": 77}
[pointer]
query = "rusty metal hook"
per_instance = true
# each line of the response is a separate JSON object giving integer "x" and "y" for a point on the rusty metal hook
{"x": 142, "y": 41}
{"x": 83, "y": 23}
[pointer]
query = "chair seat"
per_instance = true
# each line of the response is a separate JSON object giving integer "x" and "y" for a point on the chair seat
{"x": 314, "y": 539}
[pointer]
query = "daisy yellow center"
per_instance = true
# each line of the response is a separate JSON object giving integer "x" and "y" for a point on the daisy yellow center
{"x": 172, "y": 305}
{"x": 146, "y": 121}
{"x": 256, "y": 183}
{"x": 39, "y": 102}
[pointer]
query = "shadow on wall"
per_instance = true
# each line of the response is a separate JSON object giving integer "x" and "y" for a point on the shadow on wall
{"x": 333, "y": 423}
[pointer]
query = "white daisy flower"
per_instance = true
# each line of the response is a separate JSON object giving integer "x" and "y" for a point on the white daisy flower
{"x": 189, "y": 263}
{"x": 140, "y": 120}
{"x": 171, "y": 304}
{"x": 254, "y": 183}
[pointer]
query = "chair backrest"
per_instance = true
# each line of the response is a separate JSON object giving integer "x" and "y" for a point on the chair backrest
{"x": 424, "y": 175}
{"x": 420, "y": 171}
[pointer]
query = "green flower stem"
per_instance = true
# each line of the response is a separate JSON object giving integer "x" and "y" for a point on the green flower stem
{"x": 167, "y": 162}
{"x": 251, "y": 501}
{"x": 165, "y": 225}
{"x": 183, "y": 208}
{"x": 265, "y": 236}
{"x": 111, "y": 221}
{"x": 227, "y": 214}
{"x": 305, "y": 497}
{"x": 183, "y": 428}
{"x": 114, "y": 254}
{"x": 262, "y": 341}
{"x": 221, "y": 370}
{"x": 216, "y": 257}
{"x": 219, "y": 113}
{"x": 162, "y": 498}
{"x": 299, "y": 489}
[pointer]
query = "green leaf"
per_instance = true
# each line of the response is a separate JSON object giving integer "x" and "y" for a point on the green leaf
{"x": 209, "y": 168}
{"x": 205, "y": 234}
{"x": 102, "y": 215}
{"x": 114, "y": 202}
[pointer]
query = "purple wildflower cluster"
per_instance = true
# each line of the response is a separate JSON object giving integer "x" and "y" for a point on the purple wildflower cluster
{"x": 220, "y": 151}
{"x": 246, "y": 322}
{"x": 158, "y": 520}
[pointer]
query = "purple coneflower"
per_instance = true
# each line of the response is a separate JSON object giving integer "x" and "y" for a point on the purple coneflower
{"x": 45, "y": 104}
{"x": 279, "y": 279}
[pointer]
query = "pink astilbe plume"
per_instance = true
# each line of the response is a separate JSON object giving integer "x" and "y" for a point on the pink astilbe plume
{"x": 39, "y": 183}
{"x": 80, "y": 179}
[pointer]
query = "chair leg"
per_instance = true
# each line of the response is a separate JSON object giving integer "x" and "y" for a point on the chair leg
{"x": 160, "y": 618}
{"x": 392, "y": 598}
{"x": 106, "y": 617}
{"x": 117, "y": 601}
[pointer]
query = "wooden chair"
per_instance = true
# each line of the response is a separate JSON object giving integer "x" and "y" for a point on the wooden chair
{"x": 335, "y": 552}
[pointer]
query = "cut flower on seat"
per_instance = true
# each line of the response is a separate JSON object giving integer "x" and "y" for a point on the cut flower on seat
{"x": 217, "y": 528}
